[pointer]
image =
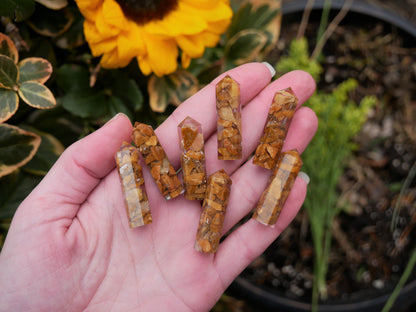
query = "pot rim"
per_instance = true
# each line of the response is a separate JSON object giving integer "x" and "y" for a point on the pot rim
{"x": 296, "y": 6}
{"x": 262, "y": 296}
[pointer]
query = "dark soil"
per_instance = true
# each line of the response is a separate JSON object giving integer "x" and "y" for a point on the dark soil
{"x": 366, "y": 254}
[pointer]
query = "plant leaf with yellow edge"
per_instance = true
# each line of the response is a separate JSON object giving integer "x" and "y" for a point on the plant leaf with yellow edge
{"x": 49, "y": 150}
{"x": 53, "y": 4}
{"x": 17, "y": 147}
{"x": 8, "y": 48}
{"x": 245, "y": 46}
{"x": 9, "y": 102}
{"x": 171, "y": 89}
{"x": 34, "y": 69}
{"x": 14, "y": 188}
{"x": 273, "y": 26}
{"x": 51, "y": 23}
{"x": 262, "y": 15}
{"x": 36, "y": 95}
{"x": 9, "y": 73}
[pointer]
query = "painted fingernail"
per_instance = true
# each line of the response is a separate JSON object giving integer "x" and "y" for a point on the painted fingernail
{"x": 304, "y": 177}
{"x": 270, "y": 68}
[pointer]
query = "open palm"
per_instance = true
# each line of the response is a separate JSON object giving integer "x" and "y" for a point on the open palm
{"x": 70, "y": 248}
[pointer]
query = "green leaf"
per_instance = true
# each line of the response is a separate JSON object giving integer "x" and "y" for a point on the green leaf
{"x": 36, "y": 95}
{"x": 54, "y": 4}
{"x": 116, "y": 105}
{"x": 9, "y": 73}
{"x": 245, "y": 46}
{"x": 51, "y": 23}
{"x": 254, "y": 14}
{"x": 49, "y": 151}
{"x": 67, "y": 128}
{"x": 42, "y": 47}
{"x": 72, "y": 77}
{"x": 9, "y": 102}
{"x": 85, "y": 103}
{"x": 170, "y": 89}
{"x": 17, "y": 147}
{"x": 18, "y": 10}
{"x": 34, "y": 69}
{"x": 129, "y": 92}
{"x": 74, "y": 36}
{"x": 8, "y": 48}
{"x": 14, "y": 188}
{"x": 80, "y": 99}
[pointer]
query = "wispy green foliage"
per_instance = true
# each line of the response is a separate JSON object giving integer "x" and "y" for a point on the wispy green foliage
{"x": 340, "y": 120}
{"x": 298, "y": 58}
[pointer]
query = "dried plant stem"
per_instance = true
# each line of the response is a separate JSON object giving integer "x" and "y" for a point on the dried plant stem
{"x": 344, "y": 242}
{"x": 305, "y": 18}
{"x": 331, "y": 28}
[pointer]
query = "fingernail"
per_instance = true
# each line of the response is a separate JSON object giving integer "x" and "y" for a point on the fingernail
{"x": 270, "y": 68}
{"x": 304, "y": 177}
{"x": 113, "y": 118}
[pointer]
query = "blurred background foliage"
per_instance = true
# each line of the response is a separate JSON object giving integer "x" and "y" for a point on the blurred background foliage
{"x": 69, "y": 95}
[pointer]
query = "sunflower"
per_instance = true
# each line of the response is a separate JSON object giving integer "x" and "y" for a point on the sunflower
{"x": 153, "y": 31}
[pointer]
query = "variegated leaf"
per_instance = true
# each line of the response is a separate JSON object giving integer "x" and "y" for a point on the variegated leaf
{"x": 8, "y": 48}
{"x": 54, "y": 4}
{"x": 17, "y": 147}
{"x": 34, "y": 69}
{"x": 245, "y": 46}
{"x": 36, "y": 95}
{"x": 171, "y": 89}
{"x": 9, "y": 102}
{"x": 9, "y": 73}
{"x": 48, "y": 152}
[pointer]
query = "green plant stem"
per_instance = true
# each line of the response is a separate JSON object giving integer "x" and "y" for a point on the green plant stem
{"x": 407, "y": 271}
{"x": 323, "y": 38}
{"x": 406, "y": 184}
{"x": 324, "y": 19}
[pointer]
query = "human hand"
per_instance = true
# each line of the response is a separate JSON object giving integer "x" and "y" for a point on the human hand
{"x": 70, "y": 247}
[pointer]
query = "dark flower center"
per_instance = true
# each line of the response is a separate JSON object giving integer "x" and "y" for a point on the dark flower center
{"x": 144, "y": 11}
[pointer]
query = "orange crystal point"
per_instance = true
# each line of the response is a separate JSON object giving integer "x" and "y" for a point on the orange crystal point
{"x": 228, "y": 119}
{"x": 192, "y": 158}
{"x": 212, "y": 217}
{"x": 156, "y": 160}
{"x": 133, "y": 187}
{"x": 279, "y": 117}
{"x": 280, "y": 183}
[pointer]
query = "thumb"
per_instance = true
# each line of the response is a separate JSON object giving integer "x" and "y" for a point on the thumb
{"x": 75, "y": 174}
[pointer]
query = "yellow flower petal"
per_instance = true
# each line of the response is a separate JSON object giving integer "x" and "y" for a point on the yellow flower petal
{"x": 112, "y": 60}
{"x": 191, "y": 45}
{"x": 144, "y": 65}
{"x": 113, "y": 14}
{"x": 162, "y": 55}
{"x": 185, "y": 60}
{"x": 180, "y": 21}
{"x": 212, "y": 12}
{"x": 130, "y": 43}
{"x": 98, "y": 44}
{"x": 89, "y": 8}
{"x": 218, "y": 27}
{"x": 210, "y": 39}
{"x": 103, "y": 26}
